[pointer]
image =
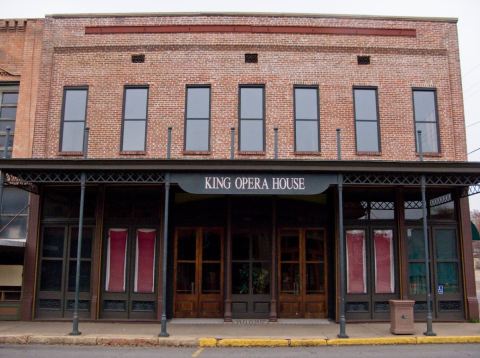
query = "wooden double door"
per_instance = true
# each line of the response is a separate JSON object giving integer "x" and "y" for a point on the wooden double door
{"x": 302, "y": 273}
{"x": 198, "y": 273}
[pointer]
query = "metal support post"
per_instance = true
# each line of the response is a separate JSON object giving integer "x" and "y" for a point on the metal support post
{"x": 163, "y": 320}
{"x": 2, "y": 174}
{"x": 342, "y": 333}
{"x": 75, "y": 331}
{"x": 275, "y": 142}
{"x": 169, "y": 142}
{"x": 429, "y": 331}
{"x": 232, "y": 143}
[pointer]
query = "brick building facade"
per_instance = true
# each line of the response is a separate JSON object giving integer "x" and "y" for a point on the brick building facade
{"x": 215, "y": 163}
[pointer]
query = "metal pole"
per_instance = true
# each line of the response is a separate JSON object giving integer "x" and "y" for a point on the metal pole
{"x": 232, "y": 143}
{"x": 2, "y": 174}
{"x": 429, "y": 331}
{"x": 7, "y": 142}
{"x": 339, "y": 145}
{"x": 169, "y": 142}
{"x": 342, "y": 333}
{"x": 163, "y": 332}
{"x": 275, "y": 142}
{"x": 75, "y": 331}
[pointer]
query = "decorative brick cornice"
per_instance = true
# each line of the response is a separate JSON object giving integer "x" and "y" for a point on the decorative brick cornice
{"x": 306, "y": 30}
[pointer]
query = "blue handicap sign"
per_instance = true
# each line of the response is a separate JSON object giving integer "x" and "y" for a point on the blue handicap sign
{"x": 440, "y": 289}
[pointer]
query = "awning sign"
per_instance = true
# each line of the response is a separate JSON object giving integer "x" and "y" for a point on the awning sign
{"x": 253, "y": 183}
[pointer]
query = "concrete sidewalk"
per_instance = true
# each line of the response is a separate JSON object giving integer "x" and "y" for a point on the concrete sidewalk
{"x": 240, "y": 333}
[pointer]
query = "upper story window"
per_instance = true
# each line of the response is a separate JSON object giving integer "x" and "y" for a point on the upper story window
{"x": 306, "y": 119}
{"x": 252, "y": 116}
{"x": 134, "y": 118}
{"x": 73, "y": 119}
{"x": 426, "y": 119}
{"x": 366, "y": 120}
{"x": 197, "y": 118}
{"x": 8, "y": 112}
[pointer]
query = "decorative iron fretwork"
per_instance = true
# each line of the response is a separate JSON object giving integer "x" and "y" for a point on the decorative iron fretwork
{"x": 471, "y": 190}
{"x": 448, "y": 180}
{"x": 382, "y": 205}
{"x": 413, "y": 204}
{"x": 11, "y": 180}
{"x": 441, "y": 200}
{"x": 381, "y": 179}
{"x": 126, "y": 177}
{"x": 46, "y": 177}
{"x": 450, "y": 305}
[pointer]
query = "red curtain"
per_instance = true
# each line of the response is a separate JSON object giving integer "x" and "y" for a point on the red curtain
{"x": 384, "y": 282}
{"x": 145, "y": 261}
{"x": 356, "y": 261}
{"x": 116, "y": 260}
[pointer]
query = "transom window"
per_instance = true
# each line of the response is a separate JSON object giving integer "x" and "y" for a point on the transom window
{"x": 197, "y": 118}
{"x": 306, "y": 119}
{"x": 366, "y": 120}
{"x": 73, "y": 121}
{"x": 252, "y": 117}
{"x": 134, "y": 118}
{"x": 425, "y": 112}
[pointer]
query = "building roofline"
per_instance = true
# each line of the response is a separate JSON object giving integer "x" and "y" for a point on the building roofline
{"x": 258, "y": 14}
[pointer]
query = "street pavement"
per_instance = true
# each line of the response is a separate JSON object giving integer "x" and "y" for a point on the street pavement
{"x": 423, "y": 351}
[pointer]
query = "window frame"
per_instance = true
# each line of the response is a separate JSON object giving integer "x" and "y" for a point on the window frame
{"x": 437, "y": 118}
{"x": 317, "y": 120}
{"x": 355, "y": 120}
{"x": 62, "y": 121}
{"x": 262, "y": 86}
{"x": 5, "y": 88}
{"x": 122, "y": 132}
{"x": 186, "y": 119}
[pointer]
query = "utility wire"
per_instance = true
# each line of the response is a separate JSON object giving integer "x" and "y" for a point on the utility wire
{"x": 473, "y": 151}
{"x": 472, "y": 124}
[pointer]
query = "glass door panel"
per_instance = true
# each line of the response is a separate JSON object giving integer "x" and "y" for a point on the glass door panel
{"x": 384, "y": 261}
{"x": 314, "y": 278}
{"x": 290, "y": 278}
{"x": 302, "y": 273}
{"x": 198, "y": 273}
{"x": 356, "y": 261}
{"x": 211, "y": 278}
{"x": 186, "y": 278}
{"x": 58, "y": 266}
{"x": 251, "y": 265}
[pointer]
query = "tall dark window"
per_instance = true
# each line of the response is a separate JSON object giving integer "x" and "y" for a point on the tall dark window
{"x": 134, "y": 118}
{"x": 197, "y": 118}
{"x": 252, "y": 118}
{"x": 73, "y": 123}
{"x": 8, "y": 112}
{"x": 306, "y": 119}
{"x": 366, "y": 120}
{"x": 426, "y": 119}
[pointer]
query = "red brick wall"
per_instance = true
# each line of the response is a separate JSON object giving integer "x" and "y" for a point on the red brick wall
{"x": 174, "y": 60}
{"x": 20, "y": 56}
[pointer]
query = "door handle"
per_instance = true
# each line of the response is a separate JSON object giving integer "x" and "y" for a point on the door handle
{"x": 192, "y": 287}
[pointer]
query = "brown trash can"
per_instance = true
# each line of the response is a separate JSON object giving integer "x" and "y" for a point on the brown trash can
{"x": 401, "y": 317}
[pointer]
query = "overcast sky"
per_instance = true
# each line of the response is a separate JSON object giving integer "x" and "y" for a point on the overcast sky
{"x": 467, "y": 11}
